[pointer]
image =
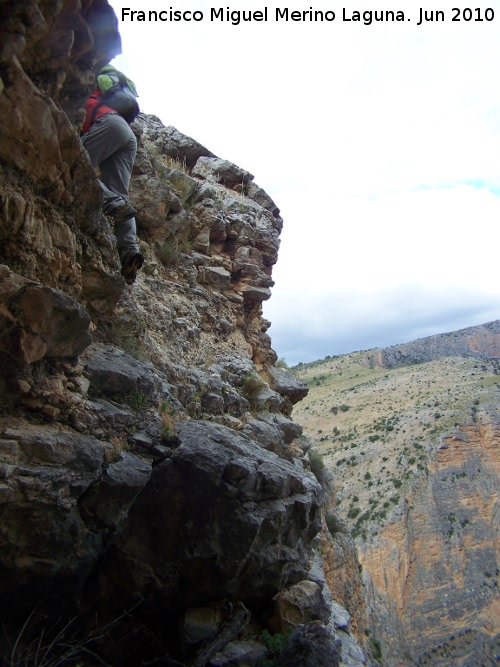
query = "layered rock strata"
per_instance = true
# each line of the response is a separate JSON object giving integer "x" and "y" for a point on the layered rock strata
{"x": 433, "y": 582}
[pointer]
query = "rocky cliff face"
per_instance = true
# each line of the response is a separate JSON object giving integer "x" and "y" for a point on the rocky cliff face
{"x": 435, "y": 571}
{"x": 153, "y": 487}
{"x": 479, "y": 342}
{"x": 415, "y": 454}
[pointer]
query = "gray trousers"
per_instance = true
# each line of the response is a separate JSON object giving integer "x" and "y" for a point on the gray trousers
{"x": 112, "y": 146}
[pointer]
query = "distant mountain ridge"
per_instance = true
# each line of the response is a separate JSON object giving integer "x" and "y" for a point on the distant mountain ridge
{"x": 481, "y": 342}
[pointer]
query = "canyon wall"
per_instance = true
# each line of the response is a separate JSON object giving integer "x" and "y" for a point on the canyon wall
{"x": 434, "y": 573}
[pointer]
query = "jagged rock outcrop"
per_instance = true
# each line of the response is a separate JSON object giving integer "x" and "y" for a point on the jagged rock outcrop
{"x": 148, "y": 460}
{"x": 243, "y": 530}
{"x": 311, "y": 645}
{"x": 480, "y": 342}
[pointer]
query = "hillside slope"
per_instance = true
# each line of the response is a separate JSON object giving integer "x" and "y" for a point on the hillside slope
{"x": 415, "y": 455}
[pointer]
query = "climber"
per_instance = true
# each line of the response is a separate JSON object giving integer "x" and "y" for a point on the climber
{"x": 112, "y": 146}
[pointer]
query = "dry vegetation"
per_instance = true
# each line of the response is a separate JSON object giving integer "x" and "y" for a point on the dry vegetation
{"x": 377, "y": 429}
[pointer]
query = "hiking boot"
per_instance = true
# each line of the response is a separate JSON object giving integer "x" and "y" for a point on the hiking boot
{"x": 123, "y": 212}
{"x": 130, "y": 265}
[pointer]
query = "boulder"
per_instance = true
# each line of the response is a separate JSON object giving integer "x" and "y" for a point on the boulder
{"x": 224, "y": 519}
{"x": 239, "y": 653}
{"x": 184, "y": 185}
{"x": 115, "y": 373}
{"x": 151, "y": 197}
{"x": 289, "y": 429}
{"x": 287, "y": 384}
{"x": 261, "y": 197}
{"x": 49, "y": 324}
{"x": 311, "y": 645}
{"x": 267, "y": 435}
{"x": 252, "y": 293}
{"x": 107, "y": 503}
{"x": 221, "y": 171}
{"x": 172, "y": 142}
{"x": 299, "y": 605}
{"x": 45, "y": 546}
{"x": 216, "y": 276}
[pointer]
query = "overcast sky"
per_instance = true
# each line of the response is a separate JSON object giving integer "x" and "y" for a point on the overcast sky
{"x": 379, "y": 143}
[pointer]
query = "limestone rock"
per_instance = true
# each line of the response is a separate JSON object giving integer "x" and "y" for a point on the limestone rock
{"x": 252, "y": 293}
{"x": 45, "y": 545}
{"x": 289, "y": 429}
{"x": 152, "y": 198}
{"x": 268, "y": 435}
{"x": 262, "y": 198}
{"x": 299, "y": 605}
{"x": 41, "y": 321}
{"x": 107, "y": 504}
{"x": 311, "y": 645}
{"x": 221, "y": 171}
{"x": 479, "y": 342}
{"x": 103, "y": 414}
{"x": 290, "y": 387}
{"x": 102, "y": 289}
{"x": 239, "y": 653}
{"x": 244, "y": 528}
{"x": 173, "y": 143}
{"x": 216, "y": 276}
{"x": 116, "y": 373}
{"x": 184, "y": 185}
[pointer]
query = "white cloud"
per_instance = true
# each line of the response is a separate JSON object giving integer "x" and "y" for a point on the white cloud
{"x": 380, "y": 144}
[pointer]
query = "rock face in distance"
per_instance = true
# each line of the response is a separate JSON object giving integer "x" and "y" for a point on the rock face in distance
{"x": 479, "y": 342}
{"x": 440, "y": 559}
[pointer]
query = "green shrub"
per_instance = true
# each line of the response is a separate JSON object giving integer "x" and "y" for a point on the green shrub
{"x": 168, "y": 252}
{"x": 136, "y": 400}
{"x": 316, "y": 461}
{"x": 128, "y": 335}
{"x": 275, "y": 644}
{"x": 253, "y": 384}
{"x": 376, "y": 649}
{"x": 332, "y": 523}
{"x": 169, "y": 418}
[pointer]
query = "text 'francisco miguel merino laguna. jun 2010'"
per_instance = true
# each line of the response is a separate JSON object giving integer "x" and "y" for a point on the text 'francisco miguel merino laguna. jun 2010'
{"x": 419, "y": 15}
